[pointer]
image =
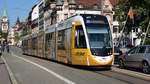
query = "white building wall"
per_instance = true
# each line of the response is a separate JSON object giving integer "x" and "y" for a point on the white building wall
{"x": 11, "y": 37}
{"x": 35, "y": 13}
{"x": 87, "y": 12}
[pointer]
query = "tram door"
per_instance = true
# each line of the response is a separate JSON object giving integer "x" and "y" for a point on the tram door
{"x": 47, "y": 45}
{"x": 53, "y": 46}
{"x": 79, "y": 46}
{"x": 50, "y": 46}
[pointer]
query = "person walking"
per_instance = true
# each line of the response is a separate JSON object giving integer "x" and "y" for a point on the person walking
{"x": 7, "y": 48}
{"x": 3, "y": 47}
{"x": 0, "y": 50}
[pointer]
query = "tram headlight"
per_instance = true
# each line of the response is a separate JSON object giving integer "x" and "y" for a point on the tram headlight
{"x": 106, "y": 58}
{"x": 109, "y": 53}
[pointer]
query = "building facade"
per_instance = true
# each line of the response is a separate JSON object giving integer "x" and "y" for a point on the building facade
{"x": 35, "y": 19}
{"x": 5, "y": 22}
{"x": 58, "y": 10}
{"x": 4, "y": 27}
{"x": 41, "y": 15}
{"x": 48, "y": 12}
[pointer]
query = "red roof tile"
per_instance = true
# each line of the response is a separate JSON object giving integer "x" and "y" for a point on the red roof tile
{"x": 90, "y": 3}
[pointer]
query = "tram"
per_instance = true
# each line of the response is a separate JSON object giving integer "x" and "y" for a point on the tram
{"x": 84, "y": 39}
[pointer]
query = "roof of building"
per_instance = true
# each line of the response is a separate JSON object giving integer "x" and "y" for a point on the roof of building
{"x": 86, "y": 3}
{"x": 21, "y": 25}
{"x": 90, "y": 3}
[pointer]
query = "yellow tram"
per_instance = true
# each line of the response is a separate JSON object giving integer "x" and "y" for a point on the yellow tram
{"x": 79, "y": 40}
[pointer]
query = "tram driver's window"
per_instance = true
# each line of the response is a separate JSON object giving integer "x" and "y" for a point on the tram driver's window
{"x": 80, "y": 41}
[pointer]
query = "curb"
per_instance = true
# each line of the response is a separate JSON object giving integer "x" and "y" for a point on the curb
{"x": 139, "y": 75}
{"x": 12, "y": 78}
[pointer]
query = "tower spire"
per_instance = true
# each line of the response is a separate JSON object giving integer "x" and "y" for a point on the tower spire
{"x": 4, "y": 9}
{"x": 5, "y": 20}
{"x": 4, "y": 13}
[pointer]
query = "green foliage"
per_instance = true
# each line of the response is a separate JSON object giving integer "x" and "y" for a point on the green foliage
{"x": 147, "y": 41}
{"x": 17, "y": 37}
{"x": 24, "y": 32}
{"x": 141, "y": 15}
{"x": 141, "y": 9}
{"x": 3, "y": 35}
{"x": 120, "y": 10}
{"x": 141, "y": 12}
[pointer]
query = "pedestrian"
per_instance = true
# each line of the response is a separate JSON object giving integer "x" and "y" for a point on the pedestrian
{"x": 0, "y": 50}
{"x": 7, "y": 48}
{"x": 3, "y": 47}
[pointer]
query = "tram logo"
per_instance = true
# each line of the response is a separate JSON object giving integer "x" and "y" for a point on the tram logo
{"x": 80, "y": 53}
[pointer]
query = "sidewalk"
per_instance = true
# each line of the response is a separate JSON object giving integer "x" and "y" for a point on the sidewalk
{"x": 4, "y": 75}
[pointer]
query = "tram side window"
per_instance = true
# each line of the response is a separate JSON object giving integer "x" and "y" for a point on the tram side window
{"x": 48, "y": 39}
{"x": 34, "y": 41}
{"x": 24, "y": 43}
{"x": 80, "y": 41}
{"x": 61, "y": 40}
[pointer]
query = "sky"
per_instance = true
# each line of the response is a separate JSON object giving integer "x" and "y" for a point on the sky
{"x": 17, "y": 8}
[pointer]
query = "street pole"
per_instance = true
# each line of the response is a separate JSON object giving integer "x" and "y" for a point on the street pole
{"x": 146, "y": 33}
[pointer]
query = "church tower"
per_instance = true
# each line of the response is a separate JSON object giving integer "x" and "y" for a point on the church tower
{"x": 4, "y": 22}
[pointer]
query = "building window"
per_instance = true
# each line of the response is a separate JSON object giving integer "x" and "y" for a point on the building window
{"x": 95, "y": 6}
{"x": 80, "y": 6}
{"x": 61, "y": 40}
{"x": 114, "y": 29}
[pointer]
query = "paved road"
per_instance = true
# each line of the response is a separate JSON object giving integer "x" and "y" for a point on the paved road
{"x": 31, "y": 70}
{"x": 4, "y": 76}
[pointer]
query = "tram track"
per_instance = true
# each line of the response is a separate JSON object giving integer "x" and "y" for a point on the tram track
{"x": 113, "y": 74}
{"x": 123, "y": 77}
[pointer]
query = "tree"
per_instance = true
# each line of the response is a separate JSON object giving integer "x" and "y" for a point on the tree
{"x": 142, "y": 14}
{"x": 141, "y": 9}
{"x": 18, "y": 20}
{"x": 17, "y": 37}
{"x": 121, "y": 11}
{"x": 24, "y": 31}
{"x": 3, "y": 35}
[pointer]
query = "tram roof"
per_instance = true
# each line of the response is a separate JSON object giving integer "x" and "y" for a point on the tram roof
{"x": 63, "y": 24}
{"x": 67, "y": 23}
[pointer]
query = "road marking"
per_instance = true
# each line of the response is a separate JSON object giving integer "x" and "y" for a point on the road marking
{"x": 46, "y": 69}
{"x": 12, "y": 78}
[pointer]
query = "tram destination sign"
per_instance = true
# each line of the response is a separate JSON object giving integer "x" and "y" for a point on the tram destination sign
{"x": 95, "y": 19}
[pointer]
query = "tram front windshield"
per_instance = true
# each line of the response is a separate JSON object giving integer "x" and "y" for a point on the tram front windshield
{"x": 100, "y": 39}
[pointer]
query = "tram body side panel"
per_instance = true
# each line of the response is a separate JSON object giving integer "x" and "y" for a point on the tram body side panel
{"x": 62, "y": 46}
{"x": 29, "y": 46}
{"x": 79, "y": 55}
{"x": 36, "y": 47}
{"x": 40, "y": 46}
{"x": 68, "y": 45}
{"x": 48, "y": 38}
{"x": 24, "y": 46}
{"x": 50, "y": 46}
{"x": 34, "y": 44}
{"x": 53, "y": 47}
